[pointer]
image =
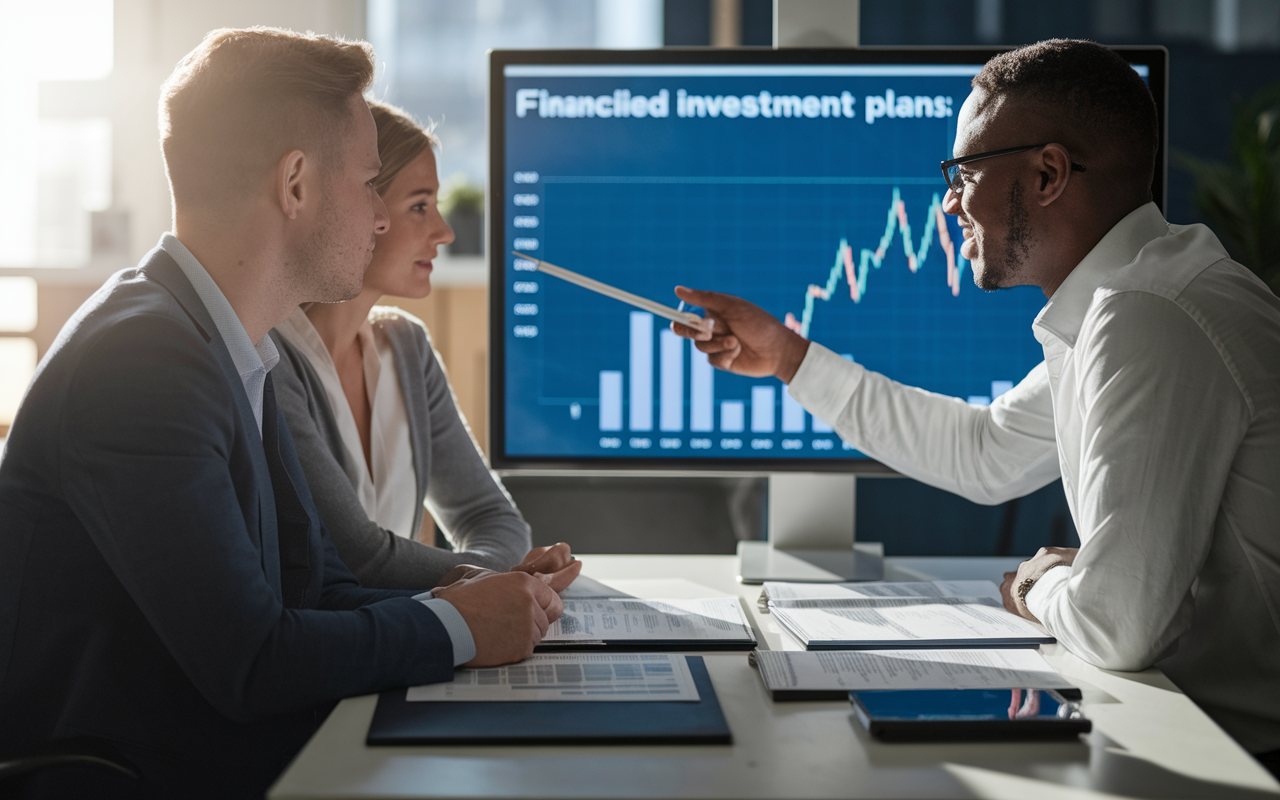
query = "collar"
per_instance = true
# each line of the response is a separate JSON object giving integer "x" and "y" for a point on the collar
{"x": 1063, "y": 315}
{"x": 247, "y": 357}
{"x": 298, "y": 331}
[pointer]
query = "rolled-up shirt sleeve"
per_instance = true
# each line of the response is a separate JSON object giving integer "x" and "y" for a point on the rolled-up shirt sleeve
{"x": 986, "y": 454}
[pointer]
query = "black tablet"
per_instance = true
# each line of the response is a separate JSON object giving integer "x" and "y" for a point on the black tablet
{"x": 958, "y": 715}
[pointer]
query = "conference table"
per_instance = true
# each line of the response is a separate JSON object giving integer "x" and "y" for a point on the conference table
{"x": 1149, "y": 740}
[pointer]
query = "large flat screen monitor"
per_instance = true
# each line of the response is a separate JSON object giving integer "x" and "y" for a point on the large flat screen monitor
{"x": 806, "y": 181}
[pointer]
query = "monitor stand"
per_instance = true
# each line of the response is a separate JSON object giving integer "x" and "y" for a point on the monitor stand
{"x": 811, "y": 534}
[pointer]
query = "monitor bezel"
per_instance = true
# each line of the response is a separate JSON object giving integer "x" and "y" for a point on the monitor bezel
{"x": 1155, "y": 58}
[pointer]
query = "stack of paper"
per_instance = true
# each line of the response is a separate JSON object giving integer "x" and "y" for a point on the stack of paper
{"x": 831, "y": 676}
{"x": 634, "y": 624}
{"x": 793, "y": 594}
{"x": 938, "y": 614}
{"x": 580, "y": 677}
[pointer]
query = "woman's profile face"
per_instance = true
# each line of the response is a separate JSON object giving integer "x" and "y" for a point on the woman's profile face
{"x": 401, "y": 264}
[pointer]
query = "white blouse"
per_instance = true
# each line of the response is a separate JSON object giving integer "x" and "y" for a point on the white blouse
{"x": 389, "y": 494}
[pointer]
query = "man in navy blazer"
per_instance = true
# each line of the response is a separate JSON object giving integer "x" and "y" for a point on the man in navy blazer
{"x": 165, "y": 581}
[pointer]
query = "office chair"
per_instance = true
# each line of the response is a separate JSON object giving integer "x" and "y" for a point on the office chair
{"x": 80, "y": 751}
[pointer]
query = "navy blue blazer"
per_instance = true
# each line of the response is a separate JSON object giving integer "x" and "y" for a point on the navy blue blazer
{"x": 165, "y": 580}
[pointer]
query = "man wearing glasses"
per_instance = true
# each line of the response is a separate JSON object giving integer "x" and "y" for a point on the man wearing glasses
{"x": 1157, "y": 404}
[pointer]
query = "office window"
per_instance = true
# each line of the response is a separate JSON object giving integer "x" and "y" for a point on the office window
{"x": 17, "y": 353}
{"x": 55, "y": 171}
{"x": 431, "y": 56}
{"x": 17, "y": 366}
{"x": 17, "y": 305}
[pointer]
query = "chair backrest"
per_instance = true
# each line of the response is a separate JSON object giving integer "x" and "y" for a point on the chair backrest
{"x": 80, "y": 751}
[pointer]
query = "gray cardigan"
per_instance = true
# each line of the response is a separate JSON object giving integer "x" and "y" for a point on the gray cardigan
{"x": 466, "y": 499}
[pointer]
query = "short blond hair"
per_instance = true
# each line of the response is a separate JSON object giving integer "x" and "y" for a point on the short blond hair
{"x": 401, "y": 139}
{"x": 244, "y": 97}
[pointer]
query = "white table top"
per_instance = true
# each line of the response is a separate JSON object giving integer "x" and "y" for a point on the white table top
{"x": 1149, "y": 739}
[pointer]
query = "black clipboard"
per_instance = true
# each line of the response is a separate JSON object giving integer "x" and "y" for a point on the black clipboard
{"x": 397, "y": 722}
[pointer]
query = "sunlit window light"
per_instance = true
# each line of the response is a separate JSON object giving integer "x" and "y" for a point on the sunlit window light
{"x": 17, "y": 367}
{"x": 54, "y": 172}
{"x": 17, "y": 305}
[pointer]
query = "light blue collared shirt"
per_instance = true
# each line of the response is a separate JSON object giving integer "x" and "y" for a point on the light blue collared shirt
{"x": 464, "y": 644}
{"x": 253, "y": 362}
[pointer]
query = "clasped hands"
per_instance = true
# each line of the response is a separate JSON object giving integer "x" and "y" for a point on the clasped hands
{"x": 509, "y": 612}
{"x": 554, "y": 565}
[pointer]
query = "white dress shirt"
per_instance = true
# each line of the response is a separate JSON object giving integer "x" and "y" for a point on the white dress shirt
{"x": 1158, "y": 404}
{"x": 389, "y": 494}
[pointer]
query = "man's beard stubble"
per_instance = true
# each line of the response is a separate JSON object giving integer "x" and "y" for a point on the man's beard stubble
{"x": 1005, "y": 270}
{"x": 323, "y": 264}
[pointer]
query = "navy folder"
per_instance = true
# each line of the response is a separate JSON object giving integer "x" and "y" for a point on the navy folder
{"x": 399, "y": 722}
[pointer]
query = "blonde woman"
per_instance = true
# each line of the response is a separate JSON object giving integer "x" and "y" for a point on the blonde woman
{"x": 373, "y": 416}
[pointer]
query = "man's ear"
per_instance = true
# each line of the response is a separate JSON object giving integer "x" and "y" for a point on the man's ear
{"x": 1054, "y": 167}
{"x": 291, "y": 182}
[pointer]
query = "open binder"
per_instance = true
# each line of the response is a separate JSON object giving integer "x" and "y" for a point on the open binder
{"x": 869, "y": 616}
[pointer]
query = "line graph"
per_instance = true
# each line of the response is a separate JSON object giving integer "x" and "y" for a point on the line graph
{"x": 896, "y": 220}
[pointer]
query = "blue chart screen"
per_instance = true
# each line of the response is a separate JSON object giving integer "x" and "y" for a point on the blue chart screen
{"x": 813, "y": 192}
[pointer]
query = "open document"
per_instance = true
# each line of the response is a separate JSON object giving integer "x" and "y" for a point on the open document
{"x": 797, "y": 594}
{"x": 705, "y": 624}
{"x": 878, "y": 623}
{"x": 831, "y": 676}
{"x": 577, "y": 677}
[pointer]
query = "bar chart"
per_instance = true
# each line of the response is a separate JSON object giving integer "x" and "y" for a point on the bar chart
{"x": 678, "y": 364}
{"x": 768, "y": 409}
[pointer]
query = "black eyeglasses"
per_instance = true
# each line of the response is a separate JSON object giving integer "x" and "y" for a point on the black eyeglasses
{"x": 951, "y": 169}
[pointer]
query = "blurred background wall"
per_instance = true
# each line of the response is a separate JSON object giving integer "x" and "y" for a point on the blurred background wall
{"x": 83, "y": 191}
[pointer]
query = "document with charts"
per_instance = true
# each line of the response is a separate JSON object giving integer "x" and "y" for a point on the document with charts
{"x": 878, "y": 616}
{"x": 633, "y": 624}
{"x": 832, "y": 675}
{"x": 576, "y": 677}
{"x": 777, "y": 593}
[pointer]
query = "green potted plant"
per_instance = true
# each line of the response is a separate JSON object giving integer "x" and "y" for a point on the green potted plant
{"x": 463, "y": 208}
{"x": 1241, "y": 198}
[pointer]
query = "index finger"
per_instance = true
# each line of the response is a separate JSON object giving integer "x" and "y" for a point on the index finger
{"x": 551, "y": 559}
{"x": 700, "y": 297}
{"x": 560, "y": 579}
{"x": 532, "y": 555}
{"x": 529, "y": 560}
